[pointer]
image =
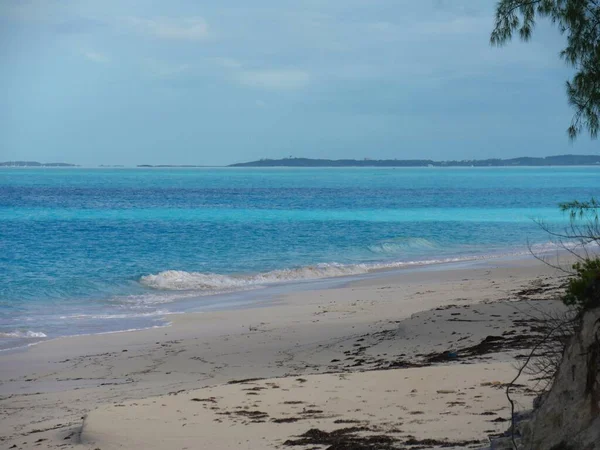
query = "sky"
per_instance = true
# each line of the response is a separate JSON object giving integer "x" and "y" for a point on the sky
{"x": 223, "y": 81}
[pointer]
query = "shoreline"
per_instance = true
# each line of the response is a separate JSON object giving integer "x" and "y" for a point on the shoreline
{"x": 364, "y": 326}
{"x": 260, "y": 295}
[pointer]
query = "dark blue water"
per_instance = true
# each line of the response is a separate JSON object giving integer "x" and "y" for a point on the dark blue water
{"x": 91, "y": 250}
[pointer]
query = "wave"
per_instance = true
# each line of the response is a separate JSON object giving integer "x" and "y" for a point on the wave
{"x": 133, "y": 315}
{"x": 401, "y": 244}
{"x": 23, "y": 334}
{"x": 548, "y": 247}
{"x": 178, "y": 280}
{"x": 183, "y": 284}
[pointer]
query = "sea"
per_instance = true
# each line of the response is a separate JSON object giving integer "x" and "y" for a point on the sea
{"x": 85, "y": 251}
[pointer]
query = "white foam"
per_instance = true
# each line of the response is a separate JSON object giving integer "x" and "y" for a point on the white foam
{"x": 86, "y": 334}
{"x": 181, "y": 284}
{"x": 118, "y": 316}
{"x": 177, "y": 280}
{"x": 548, "y": 247}
{"x": 23, "y": 334}
{"x": 401, "y": 244}
{"x": 162, "y": 296}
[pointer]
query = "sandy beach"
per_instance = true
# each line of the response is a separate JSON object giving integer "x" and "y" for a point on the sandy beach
{"x": 313, "y": 225}
{"x": 413, "y": 358}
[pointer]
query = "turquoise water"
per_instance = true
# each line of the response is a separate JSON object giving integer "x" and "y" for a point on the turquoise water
{"x": 95, "y": 250}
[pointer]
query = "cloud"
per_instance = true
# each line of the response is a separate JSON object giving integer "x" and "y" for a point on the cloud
{"x": 274, "y": 79}
{"x": 54, "y": 16}
{"x": 96, "y": 57}
{"x": 227, "y": 63}
{"x": 453, "y": 6}
{"x": 191, "y": 29}
{"x": 454, "y": 26}
{"x": 163, "y": 69}
{"x": 382, "y": 26}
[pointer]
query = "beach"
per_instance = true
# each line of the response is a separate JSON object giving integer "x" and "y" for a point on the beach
{"x": 405, "y": 357}
{"x": 299, "y": 225}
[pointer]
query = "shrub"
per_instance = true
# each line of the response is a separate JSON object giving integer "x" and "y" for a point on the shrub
{"x": 583, "y": 290}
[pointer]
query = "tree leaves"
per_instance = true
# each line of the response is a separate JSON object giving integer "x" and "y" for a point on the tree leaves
{"x": 579, "y": 20}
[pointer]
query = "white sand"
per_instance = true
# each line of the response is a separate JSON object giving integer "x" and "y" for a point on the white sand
{"x": 457, "y": 403}
{"x": 47, "y": 390}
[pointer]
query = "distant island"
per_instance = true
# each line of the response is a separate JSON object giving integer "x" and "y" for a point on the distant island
{"x": 34, "y": 164}
{"x": 526, "y": 161}
{"x": 168, "y": 165}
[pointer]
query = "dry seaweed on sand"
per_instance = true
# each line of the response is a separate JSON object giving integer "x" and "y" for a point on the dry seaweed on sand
{"x": 344, "y": 439}
{"x": 436, "y": 443}
{"x": 491, "y": 344}
{"x": 349, "y": 439}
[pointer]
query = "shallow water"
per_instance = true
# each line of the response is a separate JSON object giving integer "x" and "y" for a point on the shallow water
{"x": 96, "y": 250}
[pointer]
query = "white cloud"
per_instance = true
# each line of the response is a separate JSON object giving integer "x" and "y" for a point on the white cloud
{"x": 382, "y": 26}
{"x": 96, "y": 57}
{"x": 274, "y": 79}
{"x": 192, "y": 29}
{"x": 30, "y": 11}
{"x": 228, "y": 63}
{"x": 164, "y": 69}
{"x": 455, "y": 26}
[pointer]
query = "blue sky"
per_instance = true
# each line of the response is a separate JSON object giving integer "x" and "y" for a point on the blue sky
{"x": 215, "y": 82}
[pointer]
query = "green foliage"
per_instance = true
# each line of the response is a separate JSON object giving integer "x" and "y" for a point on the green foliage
{"x": 583, "y": 290}
{"x": 581, "y": 240}
{"x": 579, "y": 20}
{"x": 581, "y": 210}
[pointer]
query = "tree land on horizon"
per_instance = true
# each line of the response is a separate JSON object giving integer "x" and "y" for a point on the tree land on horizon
{"x": 525, "y": 161}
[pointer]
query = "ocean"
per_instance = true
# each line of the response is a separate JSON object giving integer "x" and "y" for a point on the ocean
{"x": 103, "y": 250}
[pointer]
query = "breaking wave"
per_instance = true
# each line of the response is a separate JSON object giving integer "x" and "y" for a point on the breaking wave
{"x": 177, "y": 280}
{"x": 549, "y": 247}
{"x": 128, "y": 315}
{"x": 190, "y": 284}
{"x": 401, "y": 244}
{"x": 23, "y": 334}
